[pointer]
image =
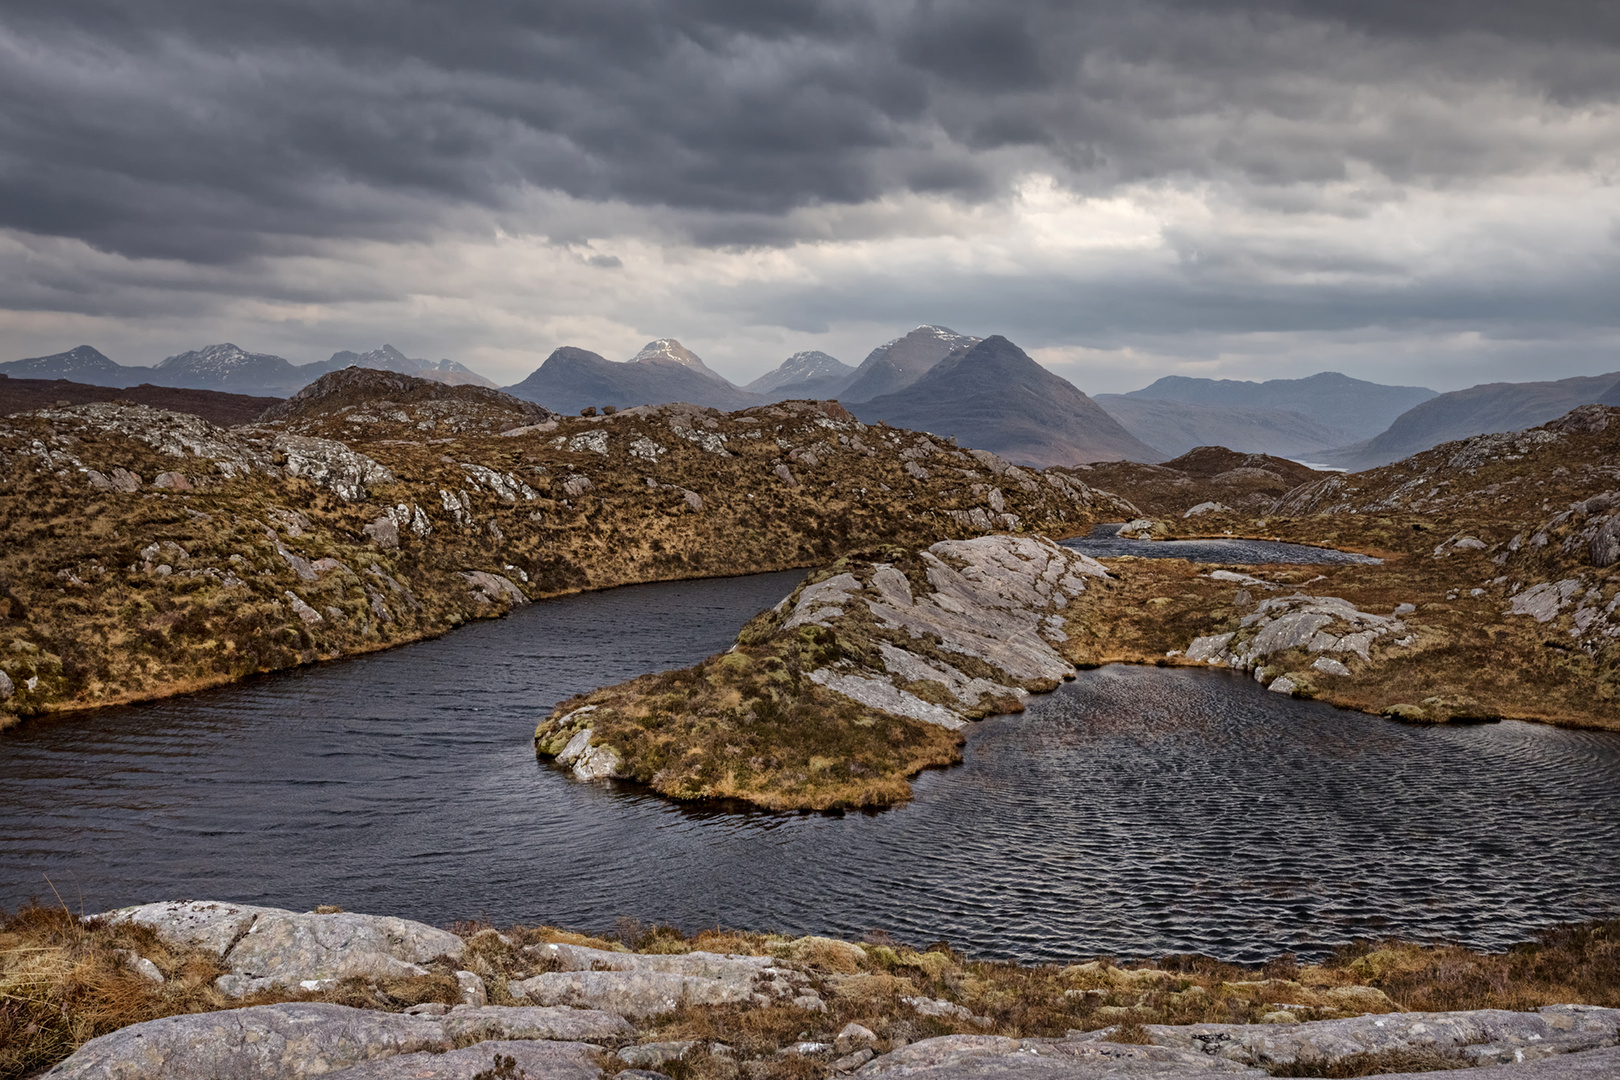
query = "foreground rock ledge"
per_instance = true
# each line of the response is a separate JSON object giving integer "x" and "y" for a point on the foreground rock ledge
{"x": 576, "y": 1008}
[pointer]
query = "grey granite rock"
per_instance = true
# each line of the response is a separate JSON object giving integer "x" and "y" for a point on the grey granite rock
{"x": 534, "y": 1060}
{"x": 204, "y": 924}
{"x": 331, "y": 465}
{"x": 729, "y": 967}
{"x": 629, "y": 993}
{"x": 299, "y": 1039}
{"x": 969, "y": 1057}
{"x": 1485, "y": 1035}
{"x": 270, "y": 946}
{"x": 292, "y": 948}
{"x": 655, "y": 1055}
{"x": 266, "y": 1042}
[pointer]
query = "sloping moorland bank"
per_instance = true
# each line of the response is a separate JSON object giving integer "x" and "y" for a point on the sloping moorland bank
{"x": 146, "y": 553}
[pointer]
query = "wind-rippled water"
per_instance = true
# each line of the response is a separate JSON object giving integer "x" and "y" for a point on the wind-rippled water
{"x": 1104, "y": 542}
{"x": 1134, "y": 811}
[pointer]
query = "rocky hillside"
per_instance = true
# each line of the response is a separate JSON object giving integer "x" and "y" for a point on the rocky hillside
{"x": 573, "y": 379}
{"x": 1498, "y": 594}
{"x": 25, "y": 395}
{"x": 1479, "y": 410}
{"x": 992, "y": 395}
{"x": 144, "y": 553}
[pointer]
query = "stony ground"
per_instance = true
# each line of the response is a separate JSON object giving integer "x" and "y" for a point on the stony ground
{"x": 1496, "y": 597}
{"x": 205, "y": 989}
{"x": 145, "y": 553}
{"x": 1498, "y": 594}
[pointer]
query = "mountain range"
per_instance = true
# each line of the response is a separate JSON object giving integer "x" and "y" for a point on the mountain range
{"x": 229, "y": 368}
{"x": 1176, "y": 427}
{"x": 572, "y": 379}
{"x": 1003, "y": 400}
{"x": 1361, "y": 408}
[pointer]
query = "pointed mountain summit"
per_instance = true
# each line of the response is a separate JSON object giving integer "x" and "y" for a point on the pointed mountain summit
{"x": 994, "y": 397}
{"x": 669, "y": 351}
{"x": 812, "y": 374}
{"x": 84, "y": 364}
{"x": 389, "y": 358}
{"x": 228, "y": 367}
{"x": 901, "y": 362}
{"x": 572, "y": 379}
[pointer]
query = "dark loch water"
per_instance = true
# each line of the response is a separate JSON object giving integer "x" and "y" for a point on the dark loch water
{"x": 1134, "y": 811}
{"x": 1103, "y": 542}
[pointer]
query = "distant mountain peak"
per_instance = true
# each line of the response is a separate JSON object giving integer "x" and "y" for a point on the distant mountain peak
{"x": 669, "y": 351}
{"x": 819, "y": 374}
{"x": 388, "y": 358}
{"x": 993, "y": 396}
{"x": 897, "y": 364}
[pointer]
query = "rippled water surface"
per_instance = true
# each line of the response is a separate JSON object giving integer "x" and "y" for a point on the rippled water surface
{"x": 1133, "y": 811}
{"x": 1103, "y": 541}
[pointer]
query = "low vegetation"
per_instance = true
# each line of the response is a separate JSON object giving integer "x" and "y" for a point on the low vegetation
{"x": 64, "y": 980}
{"x": 231, "y": 566}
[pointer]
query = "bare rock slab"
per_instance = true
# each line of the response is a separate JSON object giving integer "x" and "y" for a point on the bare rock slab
{"x": 534, "y": 1060}
{"x": 299, "y": 1039}
{"x": 272, "y": 946}
{"x": 629, "y": 993}
{"x": 995, "y": 1057}
{"x": 1484, "y": 1035}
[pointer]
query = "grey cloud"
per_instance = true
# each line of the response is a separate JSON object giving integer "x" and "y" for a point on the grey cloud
{"x": 205, "y": 132}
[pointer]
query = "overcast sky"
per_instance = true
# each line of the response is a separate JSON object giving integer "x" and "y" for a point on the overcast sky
{"x": 1419, "y": 193}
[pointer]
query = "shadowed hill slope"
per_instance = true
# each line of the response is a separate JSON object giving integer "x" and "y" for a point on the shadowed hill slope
{"x": 1479, "y": 410}
{"x": 994, "y": 397}
{"x": 899, "y": 363}
{"x": 1362, "y": 408}
{"x": 1178, "y": 426}
{"x": 572, "y": 379}
{"x": 215, "y": 406}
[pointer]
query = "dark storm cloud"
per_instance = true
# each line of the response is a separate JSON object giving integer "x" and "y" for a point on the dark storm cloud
{"x": 208, "y": 131}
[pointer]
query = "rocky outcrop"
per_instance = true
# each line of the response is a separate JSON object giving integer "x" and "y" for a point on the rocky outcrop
{"x": 957, "y": 631}
{"x": 299, "y": 1039}
{"x": 629, "y": 993}
{"x": 641, "y": 985}
{"x": 1484, "y": 1036}
{"x": 1557, "y": 1042}
{"x": 1315, "y": 624}
{"x": 266, "y": 947}
{"x": 950, "y": 1057}
{"x": 485, "y": 1060}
